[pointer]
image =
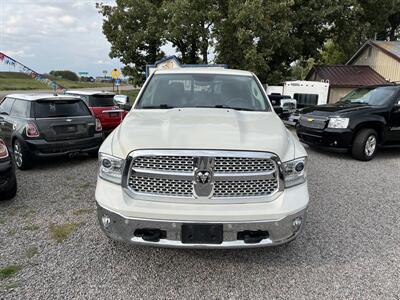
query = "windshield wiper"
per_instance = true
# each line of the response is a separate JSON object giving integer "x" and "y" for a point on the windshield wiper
{"x": 161, "y": 106}
{"x": 233, "y": 107}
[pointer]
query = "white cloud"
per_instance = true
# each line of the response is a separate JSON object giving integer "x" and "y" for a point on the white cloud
{"x": 67, "y": 20}
{"x": 55, "y": 34}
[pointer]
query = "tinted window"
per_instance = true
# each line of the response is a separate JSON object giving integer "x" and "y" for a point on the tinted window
{"x": 101, "y": 100}
{"x": 306, "y": 99}
{"x": 6, "y": 105}
{"x": 21, "y": 109}
{"x": 203, "y": 90}
{"x": 371, "y": 96}
{"x": 60, "y": 108}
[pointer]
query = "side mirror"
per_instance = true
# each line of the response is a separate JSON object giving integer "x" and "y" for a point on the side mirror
{"x": 397, "y": 105}
{"x": 278, "y": 110}
{"x": 121, "y": 99}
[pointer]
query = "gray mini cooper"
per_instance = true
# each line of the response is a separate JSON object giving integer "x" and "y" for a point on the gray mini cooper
{"x": 38, "y": 126}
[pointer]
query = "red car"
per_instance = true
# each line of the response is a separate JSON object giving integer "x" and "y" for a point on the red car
{"x": 102, "y": 105}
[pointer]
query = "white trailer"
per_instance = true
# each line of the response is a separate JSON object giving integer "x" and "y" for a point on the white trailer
{"x": 306, "y": 93}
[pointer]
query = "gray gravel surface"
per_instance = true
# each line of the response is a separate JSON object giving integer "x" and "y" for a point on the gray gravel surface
{"x": 350, "y": 247}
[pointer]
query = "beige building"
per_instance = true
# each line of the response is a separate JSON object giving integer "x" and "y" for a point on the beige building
{"x": 381, "y": 56}
{"x": 344, "y": 78}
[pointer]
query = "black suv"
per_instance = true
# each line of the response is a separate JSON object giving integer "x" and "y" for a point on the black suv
{"x": 46, "y": 125}
{"x": 362, "y": 121}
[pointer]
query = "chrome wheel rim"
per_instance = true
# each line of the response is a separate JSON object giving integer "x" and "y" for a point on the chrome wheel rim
{"x": 370, "y": 145}
{"x": 17, "y": 154}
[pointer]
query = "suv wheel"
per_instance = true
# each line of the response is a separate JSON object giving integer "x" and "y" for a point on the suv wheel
{"x": 365, "y": 144}
{"x": 21, "y": 156}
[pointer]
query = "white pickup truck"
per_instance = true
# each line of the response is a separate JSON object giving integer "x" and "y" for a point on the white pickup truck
{"x": 202, "y": 161}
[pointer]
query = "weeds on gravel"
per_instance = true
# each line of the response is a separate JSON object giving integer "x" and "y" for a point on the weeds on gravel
{"x": 31, "y": 252}
{"x": 9, "y": 271}
{"x": 32, "y": 227}
{"x": 11, "y": 286}
{"x": 86, "y": 185}
{"x": 82, "y": 211}
{"x": 12, "y": 232}
{"x": 61, "y": 232}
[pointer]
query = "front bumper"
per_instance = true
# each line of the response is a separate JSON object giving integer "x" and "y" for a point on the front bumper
{"x": 124, "y": 229}
{"x": 42, "y": 148}
{"x": 339, "y": 140}
{"x": 125, "y": 215}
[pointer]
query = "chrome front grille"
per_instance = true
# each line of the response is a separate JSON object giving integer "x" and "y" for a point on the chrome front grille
{"x": 313, "y": 122}
{"x": 166, "y": 163}
{"x": 242, "y": 165}
{"x": 161, "y": 186}
{"x": 246, "y": 188}
{"x": 212, "y": 175}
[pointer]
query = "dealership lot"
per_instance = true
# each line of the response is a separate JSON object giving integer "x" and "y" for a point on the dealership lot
{"x": 350, "y": 246}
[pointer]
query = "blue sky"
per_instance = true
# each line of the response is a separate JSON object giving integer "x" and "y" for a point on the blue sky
{"x": 56, "y": 35}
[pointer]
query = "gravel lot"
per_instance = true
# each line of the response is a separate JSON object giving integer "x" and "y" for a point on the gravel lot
{"x": 350, "y": 247}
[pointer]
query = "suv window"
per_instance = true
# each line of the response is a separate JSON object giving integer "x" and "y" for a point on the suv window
{"x": 6, "y": 105}
{"x": 60, "y": 108}
{"x": 101, "y": 100}
{"x": 21, "y": 109}
{"x": 374, "y": 96}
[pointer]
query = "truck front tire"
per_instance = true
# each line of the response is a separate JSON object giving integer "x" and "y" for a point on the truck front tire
{"x": 365, "y": 144}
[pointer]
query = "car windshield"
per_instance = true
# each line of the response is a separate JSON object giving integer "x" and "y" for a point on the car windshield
{"x": 101, "y": 100}
{"x": 60, "y": 108}
{"x": 166, "y": 91}
{"x": 370, "y": 96}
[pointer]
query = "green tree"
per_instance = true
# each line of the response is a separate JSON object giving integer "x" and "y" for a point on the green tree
{"x": 332, "y": 54}
{"x": 188, "y": 24}
{"x": 134, "y": 29}
{"x": 65, "y": 74}
{"x": 266, "y": 37}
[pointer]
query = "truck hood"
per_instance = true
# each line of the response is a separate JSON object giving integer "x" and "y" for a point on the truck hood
{"x": 335, "y": 109}
{"x": 202, "y": 128}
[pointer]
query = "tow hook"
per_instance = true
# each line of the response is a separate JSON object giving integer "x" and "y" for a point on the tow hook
{"x": 150, "y": 234}
{"x": 252, "y": 237}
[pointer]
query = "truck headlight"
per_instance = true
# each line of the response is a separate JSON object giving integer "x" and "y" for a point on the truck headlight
{"x": 338, "y": 123}
{"x": 111, "y": 167}
{"x": 294, "y": 171}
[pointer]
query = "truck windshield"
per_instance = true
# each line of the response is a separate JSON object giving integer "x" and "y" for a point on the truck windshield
{"x": 370, "y": 96}
{"x": 166, "y": 91}
{"x": 101, "y": 100}
{"x": 60, "y": 108}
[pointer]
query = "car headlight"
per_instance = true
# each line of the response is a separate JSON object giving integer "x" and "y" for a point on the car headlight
{"x": 294, "y": 171}
{"x": 338, "y": 123}
{"x": 111, "y": 167}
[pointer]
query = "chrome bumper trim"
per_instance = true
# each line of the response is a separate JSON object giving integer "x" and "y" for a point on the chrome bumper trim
{"x": 122, "y": 229}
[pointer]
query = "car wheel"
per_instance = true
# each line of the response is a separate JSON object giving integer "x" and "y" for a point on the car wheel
{"x": 365, "y": 145}
{"x": 21, "y": 156}
{"x": 10, "y": 193}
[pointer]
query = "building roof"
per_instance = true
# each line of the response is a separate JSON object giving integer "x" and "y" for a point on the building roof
{"x": 347, "y": 76}
{"x": 391, "y": 48}
{"x": 41, "y": 96}
{"x": 88, "y": 92}
{"x": 204, "y": 70}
